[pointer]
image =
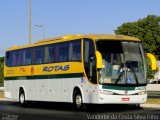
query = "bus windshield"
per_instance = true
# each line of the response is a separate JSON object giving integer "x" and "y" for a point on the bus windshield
{"x": 123, "y": 63}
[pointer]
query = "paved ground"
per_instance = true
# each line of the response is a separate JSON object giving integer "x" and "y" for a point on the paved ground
{"x": 60, "y": 111}
{"x": 155, "y": 106}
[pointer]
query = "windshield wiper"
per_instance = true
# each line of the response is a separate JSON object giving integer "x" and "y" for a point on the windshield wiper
{"x": 135, "y": 76}
{"x": 121, "y": 73}
{"x": 119, "y": 77}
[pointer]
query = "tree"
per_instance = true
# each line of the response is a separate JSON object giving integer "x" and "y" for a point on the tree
{"x": 146, "y": 29}
{"x": 1, "y": 68}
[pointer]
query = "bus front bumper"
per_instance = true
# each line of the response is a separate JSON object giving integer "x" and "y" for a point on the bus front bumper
{"x": 122, "y": 99}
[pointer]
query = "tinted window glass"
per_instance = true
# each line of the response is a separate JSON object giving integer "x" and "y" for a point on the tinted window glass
{"x": 63, "y": 52}
{"x": 89, "y": 63}
{"x": 75, "y": 50}
{"x": 16, "y": 58}
{"x": 49, "y": 53}
{"x": 59, "y": 52}
{"x": 38, "y": 55}
{"x": 9, "y": 57}
{"x": 27, "y": 56}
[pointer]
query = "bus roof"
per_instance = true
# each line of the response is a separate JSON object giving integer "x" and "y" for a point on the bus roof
{"x": 78, "y": 36}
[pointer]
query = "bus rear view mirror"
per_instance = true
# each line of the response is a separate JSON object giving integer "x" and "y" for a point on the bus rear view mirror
{"x": 152, "y": 58}
{"x": 99, "y": 60}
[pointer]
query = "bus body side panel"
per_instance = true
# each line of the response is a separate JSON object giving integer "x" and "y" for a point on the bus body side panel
{"x": 54, "y": 90}
{"x": 61, "y": 90}
{"x": 7, "y": 89}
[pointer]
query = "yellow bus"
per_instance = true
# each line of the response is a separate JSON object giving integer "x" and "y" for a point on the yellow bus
{"x": 78, "y": 69}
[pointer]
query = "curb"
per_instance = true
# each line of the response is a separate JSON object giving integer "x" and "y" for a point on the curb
{"x": 7, "y": 99}
{"x": 4, "y": 99}
{"x": 157, "y": 106}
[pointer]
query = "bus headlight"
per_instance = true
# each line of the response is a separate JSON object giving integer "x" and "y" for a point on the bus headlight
{"x": 142, "y": 93}
{"x": 106, "y": 92}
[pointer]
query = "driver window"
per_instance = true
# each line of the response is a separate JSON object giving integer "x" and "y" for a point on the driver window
{"x": 89, "y": 51}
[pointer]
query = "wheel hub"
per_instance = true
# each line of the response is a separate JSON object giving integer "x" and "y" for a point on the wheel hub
{"x": 22, "y": 98}
{"x": 78, "y": 101}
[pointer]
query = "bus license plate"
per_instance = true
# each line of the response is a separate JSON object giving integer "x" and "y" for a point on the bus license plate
{"x": 125, "y": 99}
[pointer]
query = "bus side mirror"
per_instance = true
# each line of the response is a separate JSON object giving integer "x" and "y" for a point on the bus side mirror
{"x": 99, "y": 60}
{"x": 153, "y": 61}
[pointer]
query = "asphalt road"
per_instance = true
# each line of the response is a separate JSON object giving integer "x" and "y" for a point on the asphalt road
{"x": 11, "y": 110}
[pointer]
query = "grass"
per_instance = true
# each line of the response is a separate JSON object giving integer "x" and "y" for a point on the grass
{"x": 153, "y": 101}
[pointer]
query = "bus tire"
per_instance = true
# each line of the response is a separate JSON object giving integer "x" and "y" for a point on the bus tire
{"x": 138, "y": 106}
{"x": 22, "y": 99}
{"x": 78, "y": 101}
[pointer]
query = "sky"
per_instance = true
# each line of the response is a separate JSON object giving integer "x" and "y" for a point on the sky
{"x": 62, "y": 17}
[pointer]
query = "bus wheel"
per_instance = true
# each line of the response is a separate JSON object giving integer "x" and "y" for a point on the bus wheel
{"x": 137, "y": 106}
{"x": 22, "y": 100}
{"x": 78, "y": 101}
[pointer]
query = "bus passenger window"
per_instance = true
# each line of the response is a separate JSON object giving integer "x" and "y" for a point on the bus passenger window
{"x": 63, "y": 48}
{"x": 27, "y": 56}
{"x": 9, "y": 57}
{"x": 16, "y": 58}
{"x": 38, "y": 55}
{"x": 75, "y": 51}
{"x": 57, "y": 53}
{"x": 51, "y": 54}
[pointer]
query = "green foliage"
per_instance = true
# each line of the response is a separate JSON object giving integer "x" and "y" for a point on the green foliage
{"x": 1, "y": 69}
{"x": 146, "y": 29}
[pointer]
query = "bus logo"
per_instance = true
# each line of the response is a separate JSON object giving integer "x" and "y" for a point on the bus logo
{"x": 56, "y": 68}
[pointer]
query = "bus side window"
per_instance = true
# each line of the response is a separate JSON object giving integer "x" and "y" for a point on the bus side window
{"x": 38, "y": 55}
{"x": 49, "y": 54}
{"x": 63, "y": 50}
{"x": 9, "y": 58}
{"x": 75, "y": 50}
{"x": 23, "y": 57}
{"x": 57, "y": 53}
{"x": 19, "y": 62}
{"x": 27, "y": 56}
{"x": 16, "y": 58}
